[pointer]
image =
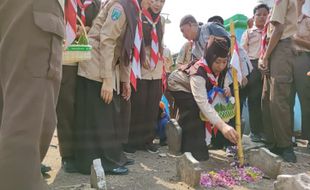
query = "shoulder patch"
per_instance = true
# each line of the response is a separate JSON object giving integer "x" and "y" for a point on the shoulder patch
{"x": 116, "y": 14}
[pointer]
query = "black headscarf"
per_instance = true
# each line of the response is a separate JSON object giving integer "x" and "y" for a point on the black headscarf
{"x": 215, "y": 48}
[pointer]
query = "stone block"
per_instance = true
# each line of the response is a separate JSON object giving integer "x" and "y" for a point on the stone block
{"x": 174, "y": 137}
{"x": 293, "y": 182}
{"x": 248, "y": 145}
{"x": 189, "y": 169}
{"x": 265, "y": 160}
{"x": 97, "y": 176}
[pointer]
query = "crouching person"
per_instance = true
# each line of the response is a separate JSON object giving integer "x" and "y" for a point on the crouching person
{"x": 190, "y": 86}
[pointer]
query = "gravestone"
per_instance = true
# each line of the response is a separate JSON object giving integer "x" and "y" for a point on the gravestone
{"x": 174, "y": 137}
{"x": 293, "y": 182}
{"x": 248, "y": 145}
{"x": 189, "y": 169}
{"x": 97, "y": 176}
{"x": 266, "y": 161}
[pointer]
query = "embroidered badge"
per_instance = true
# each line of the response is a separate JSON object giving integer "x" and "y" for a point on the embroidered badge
{"x": 116, "y": 14}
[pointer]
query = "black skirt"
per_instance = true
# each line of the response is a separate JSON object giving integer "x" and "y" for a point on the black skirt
{"x": 96, "y": 128}
{"x": 193, "y": 128}
{"x": 144, "y": 112}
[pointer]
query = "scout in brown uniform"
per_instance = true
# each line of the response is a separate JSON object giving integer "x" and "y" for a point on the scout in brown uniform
{"x": 185, "y": 54}
{"x": 280, "y": 59}
{"x": 145, "y": 101}
{"x": 66, "y": 101}
{"x": 190, "y": 86}
{"x": 30, "y": 73}
{"x": 99, "y": 84}
{"x": 251, "y": 42}
{"x": 302, "y": 65}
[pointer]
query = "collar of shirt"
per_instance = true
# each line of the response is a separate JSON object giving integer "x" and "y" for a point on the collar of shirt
{"x": 254, "y": 28}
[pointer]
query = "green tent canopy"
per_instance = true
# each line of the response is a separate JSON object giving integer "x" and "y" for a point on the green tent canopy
{"x": 239, "y": 20}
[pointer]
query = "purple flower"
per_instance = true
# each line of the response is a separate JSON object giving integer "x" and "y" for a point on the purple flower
{"x": 231, "y": 177}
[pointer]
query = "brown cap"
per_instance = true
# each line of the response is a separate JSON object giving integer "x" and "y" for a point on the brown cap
{"x": 188, "y": 19}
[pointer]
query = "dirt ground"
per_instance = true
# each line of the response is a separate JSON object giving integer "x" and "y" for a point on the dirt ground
{"x": 150, "y": 172}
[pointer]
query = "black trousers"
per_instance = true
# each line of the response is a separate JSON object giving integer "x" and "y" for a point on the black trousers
{"x": 254, "y": 93}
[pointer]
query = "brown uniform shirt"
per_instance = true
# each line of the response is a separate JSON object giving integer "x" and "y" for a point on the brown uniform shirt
{"x": 106, "y": 37}
{"x": 285, "y": 12}
{"x": 156, "y": 73}
{"x": 303, "y": 31}
{"x": 180, "y": 81}
{"x": 251, "y": 41}
{"x": 185, "y": 54}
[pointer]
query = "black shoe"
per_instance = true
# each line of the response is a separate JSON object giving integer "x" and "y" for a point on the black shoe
{"x": 129, "y": 149}
{"x": 151, "y": 148}
{"x": 68, "y": 165}
{"x": 288, "y": 155}
{"x": 163, "y": 142}
{"x": 118, "y": 171}
{"x": 129, "y": 162}
{"x": 45, "y": 169}
{"x": 275, "y": 150}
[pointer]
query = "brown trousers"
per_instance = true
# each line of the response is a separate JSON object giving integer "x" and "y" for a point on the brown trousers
{"x": 31, "y": 35}
{"x": 278, "y": 95}
{"x": 66, "y": 110}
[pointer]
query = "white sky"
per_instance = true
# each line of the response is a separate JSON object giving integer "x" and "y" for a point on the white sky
{"x": 201, "y": 10}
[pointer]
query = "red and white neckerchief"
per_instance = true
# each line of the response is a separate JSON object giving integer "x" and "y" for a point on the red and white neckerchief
{"x": 212, "y": 78}
{"x": 70, "y": 20}
{"x": 154, "y": 45}
{"x": 214, "y": 81}
{"x": 83, "y": 7}
{"x": 136, "y": 62}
